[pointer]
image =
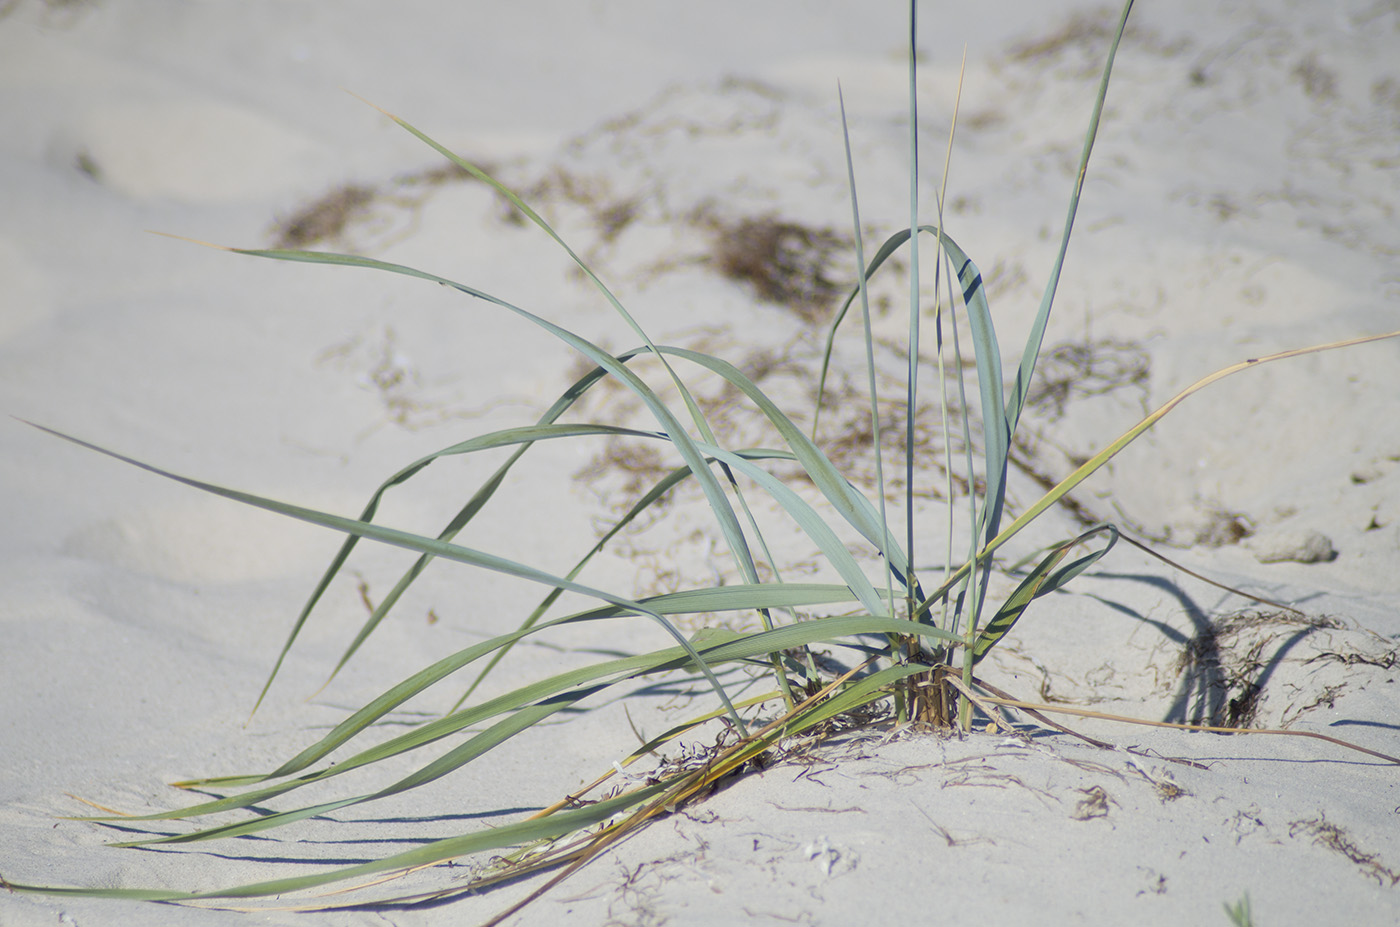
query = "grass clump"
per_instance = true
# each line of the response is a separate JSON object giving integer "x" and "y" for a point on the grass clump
{"x": 917, "y": 634}
{"x": 1239, "y": 913}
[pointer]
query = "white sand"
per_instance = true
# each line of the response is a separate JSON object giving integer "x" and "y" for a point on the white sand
{"x": 1242, "y": 200}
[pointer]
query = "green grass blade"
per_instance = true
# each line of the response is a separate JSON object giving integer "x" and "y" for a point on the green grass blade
{"x": 1042, "y": 580}
{"x": 719, "y": 503}
{"x": 996, "y": 432}
{"x": 885, "y": 542}
{"x": 811, "y": 523}
{"x": 523, "y": 708}
{"x": 695, "y": 601}
{"x": 525, "y": 438}
{"x": 848, "y": 502}
{"x": 729, "y": 525}
{"x": 521, "y": 719}
{"x": 969, "y": 277}
{"x": 714, "y": 493}
{"x": 550, "y": 827}
{"x": 1020, "y": 388}
{"x": 660, "y": 489}
{"x": 479, "y": 499}
{"x": 858, "y": 694}
{"x": 578, "y": 261}
{"x": 528, "y": 831}
{"x": 989, "y": 374}
{"x": 911, "y": 395}
{"x": 421, "y": 544}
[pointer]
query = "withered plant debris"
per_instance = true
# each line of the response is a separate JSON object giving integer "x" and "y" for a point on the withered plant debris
{"x": 325, "y": 218}
{"x": 1094, "y": 804}
{"x": 627, "y": 467}
{"x": 783, "y": 262}
{"x": 1076, "y": 370}
{"x": 1223, "y": 528}
{"x": 1318, "y": 80}
{"x": 1224, "y": 666}
{"x": 609, "y": 212}
{"x": 1329, "y": 835}
{"x": 330, "y": 217}
{"x": 1091, "y": 28}
{"x": 1167, "y": 790}
{"x": 640, "y": 464}
{"x": 1390, "y": 659}
{"x": 1085, "y": 32}
{"x": 434, "y": 176}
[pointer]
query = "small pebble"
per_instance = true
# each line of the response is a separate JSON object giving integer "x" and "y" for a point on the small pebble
{"x": 1292, "y": 547}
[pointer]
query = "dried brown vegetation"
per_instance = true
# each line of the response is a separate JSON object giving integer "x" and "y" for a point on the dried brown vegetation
{"x": 1326, "y": 834}
{"x": 1077, "y": 370}
{"x": 325, "y": 218}
{"x": 1226, "y": 666}
{"x": 331, "y": 217}
{"x": 782, "y": 262}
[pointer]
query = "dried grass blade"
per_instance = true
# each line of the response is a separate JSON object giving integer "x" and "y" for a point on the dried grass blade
{"x": 1205, "y": 728}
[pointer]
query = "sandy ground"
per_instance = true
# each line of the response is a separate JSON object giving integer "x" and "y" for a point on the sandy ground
{"x": 1242, "y": 201}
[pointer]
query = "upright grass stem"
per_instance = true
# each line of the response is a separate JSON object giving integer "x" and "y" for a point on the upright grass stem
{"x": 894, "y": 643}
{"x": 912, "y": 392}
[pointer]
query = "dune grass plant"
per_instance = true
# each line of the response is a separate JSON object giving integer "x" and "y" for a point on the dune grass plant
{"x": 918, "y": 638}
